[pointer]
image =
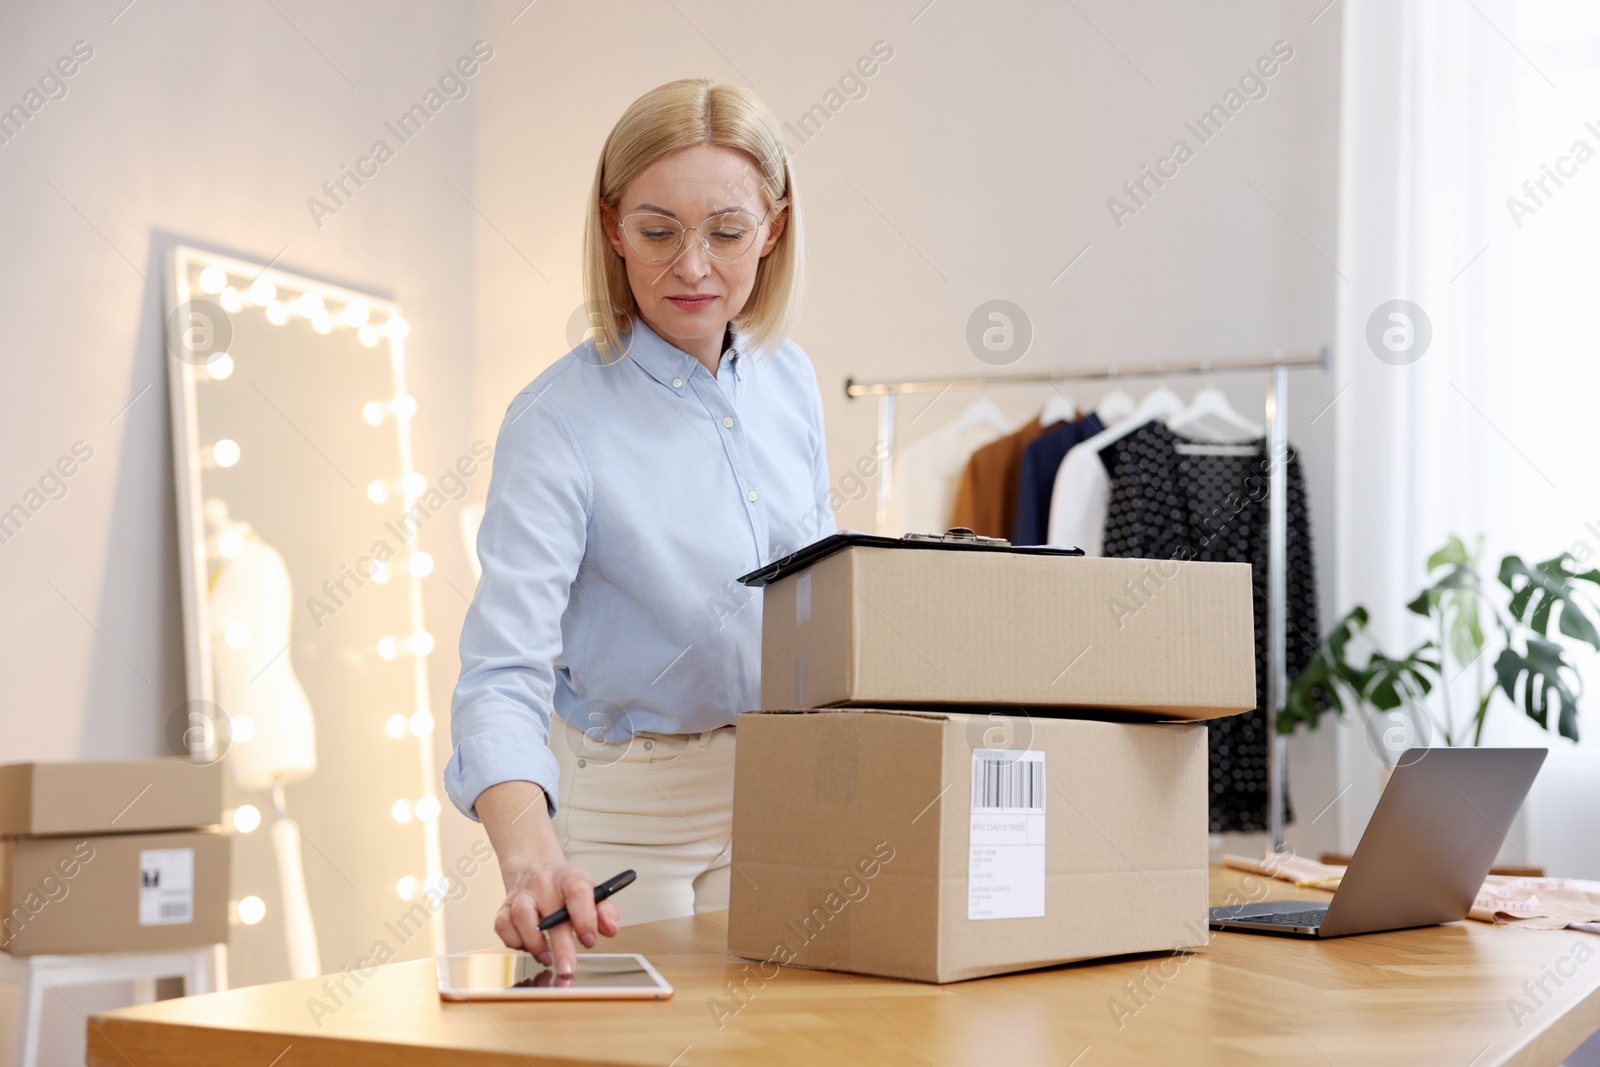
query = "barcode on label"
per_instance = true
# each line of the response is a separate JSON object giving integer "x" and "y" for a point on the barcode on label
{"x": 175, "y": 910}
{"x": 1007, "y": 781}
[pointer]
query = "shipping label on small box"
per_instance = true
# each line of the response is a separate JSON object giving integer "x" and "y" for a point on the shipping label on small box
{"x": 166, "y": 886}
{"x": 1006, "y": 849}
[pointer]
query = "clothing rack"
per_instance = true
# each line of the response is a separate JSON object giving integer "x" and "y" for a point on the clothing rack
{"x": 1279, "y": 363}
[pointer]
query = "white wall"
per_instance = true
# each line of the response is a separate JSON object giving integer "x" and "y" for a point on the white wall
{"x": 207, "y": 124}
{"x": 977, "y": 166}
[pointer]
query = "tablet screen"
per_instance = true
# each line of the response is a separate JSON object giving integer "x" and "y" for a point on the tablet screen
{"x": 516, "y": 975}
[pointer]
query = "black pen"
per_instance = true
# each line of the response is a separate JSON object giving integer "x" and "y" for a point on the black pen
{"x": 601, "y": 891}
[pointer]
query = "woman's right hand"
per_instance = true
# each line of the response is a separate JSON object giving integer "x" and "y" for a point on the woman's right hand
{"x": 541, "y": 889}
{"x": 538, "y": 879}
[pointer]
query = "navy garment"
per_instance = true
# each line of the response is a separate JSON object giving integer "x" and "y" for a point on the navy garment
{"x": 1037, "y": 479}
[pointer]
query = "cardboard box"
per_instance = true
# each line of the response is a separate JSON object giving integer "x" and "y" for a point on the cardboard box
{"x": 108, "y": 796}
{"x": 116, "y": 893}
{"x": 881, "y": 627}
{"x": 858, "y": 845}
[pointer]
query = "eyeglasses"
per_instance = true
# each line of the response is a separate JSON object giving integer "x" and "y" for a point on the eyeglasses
{"x": 658, "y": 238}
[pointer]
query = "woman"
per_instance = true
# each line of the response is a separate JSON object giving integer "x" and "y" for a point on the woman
{"x": 609, "y": 647}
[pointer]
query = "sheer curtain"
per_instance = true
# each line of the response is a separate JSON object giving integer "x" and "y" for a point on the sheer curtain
{"x": 1448, "y": 108}
{"x": 1552, "y": 409}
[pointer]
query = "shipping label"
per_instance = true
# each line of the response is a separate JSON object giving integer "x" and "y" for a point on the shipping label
{"x": 1005, "y": 866}
{"x": 166, "y": 886}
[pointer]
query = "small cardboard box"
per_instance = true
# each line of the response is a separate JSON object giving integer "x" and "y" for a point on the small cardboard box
{"x": 116, "y": 893}
{"x": 874, "y": 627}
{"x": 944, "y": 846}
{"x": 108, "y": 796}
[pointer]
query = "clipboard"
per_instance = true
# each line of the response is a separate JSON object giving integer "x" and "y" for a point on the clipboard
{"x": 957, "y": 539}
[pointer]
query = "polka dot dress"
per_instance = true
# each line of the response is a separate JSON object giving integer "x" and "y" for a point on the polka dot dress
{"x": 1166, "y": 503}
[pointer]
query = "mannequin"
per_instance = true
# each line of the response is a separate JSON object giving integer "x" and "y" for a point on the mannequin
{"x": 251, "y": 600}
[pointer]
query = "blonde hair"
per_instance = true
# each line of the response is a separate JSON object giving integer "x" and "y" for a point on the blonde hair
{"x": 668, "y": 118}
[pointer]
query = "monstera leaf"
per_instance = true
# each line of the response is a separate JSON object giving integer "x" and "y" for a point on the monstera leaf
{"x": 1542, "y": 672}
{"x": 1332, "y": 682}
{"x": 1329, "y": 680}
{"x": 1457, "y": 598}
{"x": 1392, "y": 681}
{"x": 1537, "y": 591}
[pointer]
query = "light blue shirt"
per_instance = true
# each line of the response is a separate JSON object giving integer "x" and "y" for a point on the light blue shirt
{"x": 626, "y": 500}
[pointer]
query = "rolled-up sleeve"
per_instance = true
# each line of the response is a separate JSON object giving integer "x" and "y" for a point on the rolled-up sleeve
{"x": 531, "y": 544}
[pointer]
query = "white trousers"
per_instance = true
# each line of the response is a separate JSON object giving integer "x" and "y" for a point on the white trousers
{"x": 660, "y": 804}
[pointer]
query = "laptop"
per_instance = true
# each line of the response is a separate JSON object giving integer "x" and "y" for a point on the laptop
{"x": 1439, "y": 825}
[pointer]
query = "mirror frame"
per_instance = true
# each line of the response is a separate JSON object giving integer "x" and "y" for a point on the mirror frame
{"x": 194, "y": 555}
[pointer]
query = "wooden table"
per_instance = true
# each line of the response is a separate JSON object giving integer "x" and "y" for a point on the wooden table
{"x": 1440, "y": 995}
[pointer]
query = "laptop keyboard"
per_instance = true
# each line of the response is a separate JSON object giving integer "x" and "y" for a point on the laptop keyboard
{"x": 1288, "y": 918}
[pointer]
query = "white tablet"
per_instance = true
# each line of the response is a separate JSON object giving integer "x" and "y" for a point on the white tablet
{"x": 507, "y": 975}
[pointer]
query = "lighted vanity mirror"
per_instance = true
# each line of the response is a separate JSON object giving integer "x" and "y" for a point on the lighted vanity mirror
{"x": 307, "y": 649}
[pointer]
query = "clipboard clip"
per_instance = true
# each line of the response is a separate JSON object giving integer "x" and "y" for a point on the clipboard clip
{"x": 958, "y": 534}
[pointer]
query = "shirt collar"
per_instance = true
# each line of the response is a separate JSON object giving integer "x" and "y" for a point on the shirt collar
{"x": 665, "y": 362}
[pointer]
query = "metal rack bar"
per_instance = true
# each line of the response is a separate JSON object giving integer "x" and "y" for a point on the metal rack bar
{"x": 1279, "y": 363}
{"x": 1277, "y": 595}
{"x": 1108, "y": 372}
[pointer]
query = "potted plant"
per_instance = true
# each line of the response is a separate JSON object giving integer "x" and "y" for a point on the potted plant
{"x": 1514, "y": 649}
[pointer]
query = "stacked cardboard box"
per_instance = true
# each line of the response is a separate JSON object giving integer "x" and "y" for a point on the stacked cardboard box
{"x": 974, "y": 762}
{"x": 111, "y": 856}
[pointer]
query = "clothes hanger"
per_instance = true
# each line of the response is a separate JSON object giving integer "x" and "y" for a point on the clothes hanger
{"x": 1159, "y": 404}
{"x": 1211, "y": 418}
{"x": 1059, "y": 408}
{"x": 983, "y": 412}
{"x": 1115, "y": 406}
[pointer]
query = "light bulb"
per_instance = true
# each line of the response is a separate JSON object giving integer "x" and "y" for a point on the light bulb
{"x": 422, "y": 724}
{"x": 427, "y": 808}
{"x": 310, "y": 305}
{"x": 236, "y": 634}
{"x": 396, "y": 726}
{"x": 241, "y": 728}
{"x": 213, "y": 279}
{"x": 406, "y": 887}
{"x": 219, "y": 366}
{"x": 379, "y": 571}
{"x": 230, "y": 544}
{"x": 252, "y": 910}
{"x": 356, "y": 313}
{"x": 322, "y": 324}
{"x": 396, "y": 329}
{"x": 262, "y": 292}
{"x": 377, "y": 492}
{"x": 246, "y": 817}
{"x": 388, "y": 647}
{"x": 372, "y": 413}
{"x": 232, "y": 300}
{"x": 368, "y": 336}
{"x": 421, "y": 643}
{"x": 277, "y": 314}
{"x": 421, "y": 564}
{"x": 404, "y": 406}
{"x": 415, "y": 483}
{"x": 225, "y": 452}
{"x": 401, "y": 810}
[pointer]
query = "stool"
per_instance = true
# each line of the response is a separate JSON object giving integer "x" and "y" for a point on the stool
{"x": 203, "y": 970}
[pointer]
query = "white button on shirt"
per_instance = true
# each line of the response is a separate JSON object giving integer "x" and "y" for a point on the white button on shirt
{"x": 611, "y": 543}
